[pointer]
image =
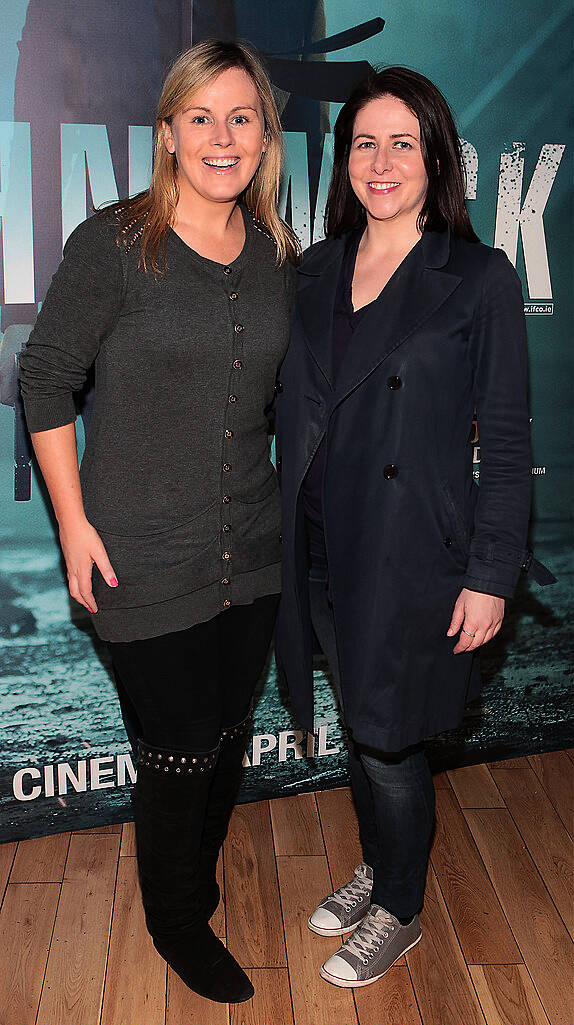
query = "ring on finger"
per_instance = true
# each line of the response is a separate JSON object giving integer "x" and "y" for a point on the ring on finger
{"x": 467, "y": 633}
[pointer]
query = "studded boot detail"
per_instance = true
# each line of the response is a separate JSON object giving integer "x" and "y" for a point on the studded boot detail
{"x": 171, "y": 798}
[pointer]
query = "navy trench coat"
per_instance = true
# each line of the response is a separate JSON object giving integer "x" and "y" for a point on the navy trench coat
{"x": 406, "y": 526}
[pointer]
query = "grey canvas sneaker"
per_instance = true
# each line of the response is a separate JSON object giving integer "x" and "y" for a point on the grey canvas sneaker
{"x": 375, "y": 945}
{"x": 342, "y": 910}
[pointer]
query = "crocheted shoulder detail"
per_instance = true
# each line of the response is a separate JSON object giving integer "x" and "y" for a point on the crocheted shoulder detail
{"x": 129, "y": 232}
{"x": 263, "y": 229}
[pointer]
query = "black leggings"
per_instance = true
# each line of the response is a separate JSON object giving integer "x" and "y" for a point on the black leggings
{"x": 182, "y": 689}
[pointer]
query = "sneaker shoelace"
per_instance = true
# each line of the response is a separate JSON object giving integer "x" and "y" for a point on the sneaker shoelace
{"x": 356, "y": 890}
{"x": 371, "y": 934}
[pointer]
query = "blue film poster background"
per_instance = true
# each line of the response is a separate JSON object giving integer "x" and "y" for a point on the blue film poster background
{"x": 96, "y": 69}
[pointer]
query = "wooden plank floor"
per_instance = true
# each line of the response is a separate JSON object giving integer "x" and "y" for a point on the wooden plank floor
{"x": 498, "y": 921}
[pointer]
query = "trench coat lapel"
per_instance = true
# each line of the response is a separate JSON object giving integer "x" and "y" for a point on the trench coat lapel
{"x": 418, "y": 289}
{"x": 318, "y": 278}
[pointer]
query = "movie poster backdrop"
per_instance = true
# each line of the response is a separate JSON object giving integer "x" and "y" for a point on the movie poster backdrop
{"x": 79, "y": 83}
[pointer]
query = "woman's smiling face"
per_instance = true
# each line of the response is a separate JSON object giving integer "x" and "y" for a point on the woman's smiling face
{"x": 219, "y": 139}
{"x": 386, "y": 167}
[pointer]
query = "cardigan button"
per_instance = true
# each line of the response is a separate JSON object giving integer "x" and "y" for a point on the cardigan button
{"x": 278, "y": 388}
{"x": 237, "y": 364}
{"x": 232, "y": 398}
{"x": 225, "y": 580}
{"x": 238, "y": 329}
{"x": 394, "y": 383}
{"x": 226, "y": 467}
{"x": 447, "y": 542}
{"x": 227, "y": 270}
{"x": 390, "y": 471}
{"x": 233, "y": 296}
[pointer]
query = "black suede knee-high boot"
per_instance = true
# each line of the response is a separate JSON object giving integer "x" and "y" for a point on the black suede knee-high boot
{"x": 225, "y": 785}
{"x": 170, "y": 801}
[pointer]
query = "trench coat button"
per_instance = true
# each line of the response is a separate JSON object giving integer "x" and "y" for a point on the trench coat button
{"x": 390, "y": 471}
{"x": 447, "y": 542}
{"x": 237, "y": 364}
{"x": 394, "y": 383}
{"x": 278, "y": 387}
{"x": 227, "y": 270}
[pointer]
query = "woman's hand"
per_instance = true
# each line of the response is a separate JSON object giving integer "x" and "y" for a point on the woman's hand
{"x": 81, "y": 544}
{"x": 82, "y": 547}
{"x": 478, "y": 617}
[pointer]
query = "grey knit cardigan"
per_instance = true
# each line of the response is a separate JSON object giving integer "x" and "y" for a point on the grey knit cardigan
{"x": 176, "y": 475}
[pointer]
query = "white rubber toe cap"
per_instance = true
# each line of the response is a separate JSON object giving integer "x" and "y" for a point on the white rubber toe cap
{"x": 338, "y": 968}
{"x": 324, "y": 919}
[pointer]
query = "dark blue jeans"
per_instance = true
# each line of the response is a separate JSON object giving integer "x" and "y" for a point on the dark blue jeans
{"x": 393, "y": 792}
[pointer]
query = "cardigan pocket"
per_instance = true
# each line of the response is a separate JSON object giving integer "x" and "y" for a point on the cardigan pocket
{"x": 259, "y": 492}
{"x": 162, "y": 565}
{"x": 258, "y": 541}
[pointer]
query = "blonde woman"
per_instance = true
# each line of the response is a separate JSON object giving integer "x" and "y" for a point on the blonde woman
{"x": 170, "y": 531}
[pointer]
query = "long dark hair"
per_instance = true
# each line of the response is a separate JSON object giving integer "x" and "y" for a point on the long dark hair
{"x": 440, "y": 147}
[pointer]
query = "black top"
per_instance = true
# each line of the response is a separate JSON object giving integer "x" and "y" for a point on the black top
{"x": 345, "y": 320}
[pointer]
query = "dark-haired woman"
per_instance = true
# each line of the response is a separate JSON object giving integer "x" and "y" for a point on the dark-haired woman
{"x": 405, "y": 325}
{"x": 171, "y": 531}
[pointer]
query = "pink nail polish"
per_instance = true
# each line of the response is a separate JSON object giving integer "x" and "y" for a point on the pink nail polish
{"x": 93, "y": 610}
{"x": 113, "y": 582}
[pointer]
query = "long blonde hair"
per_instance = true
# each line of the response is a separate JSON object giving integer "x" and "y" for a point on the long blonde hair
{"x": 150, "y": 213}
